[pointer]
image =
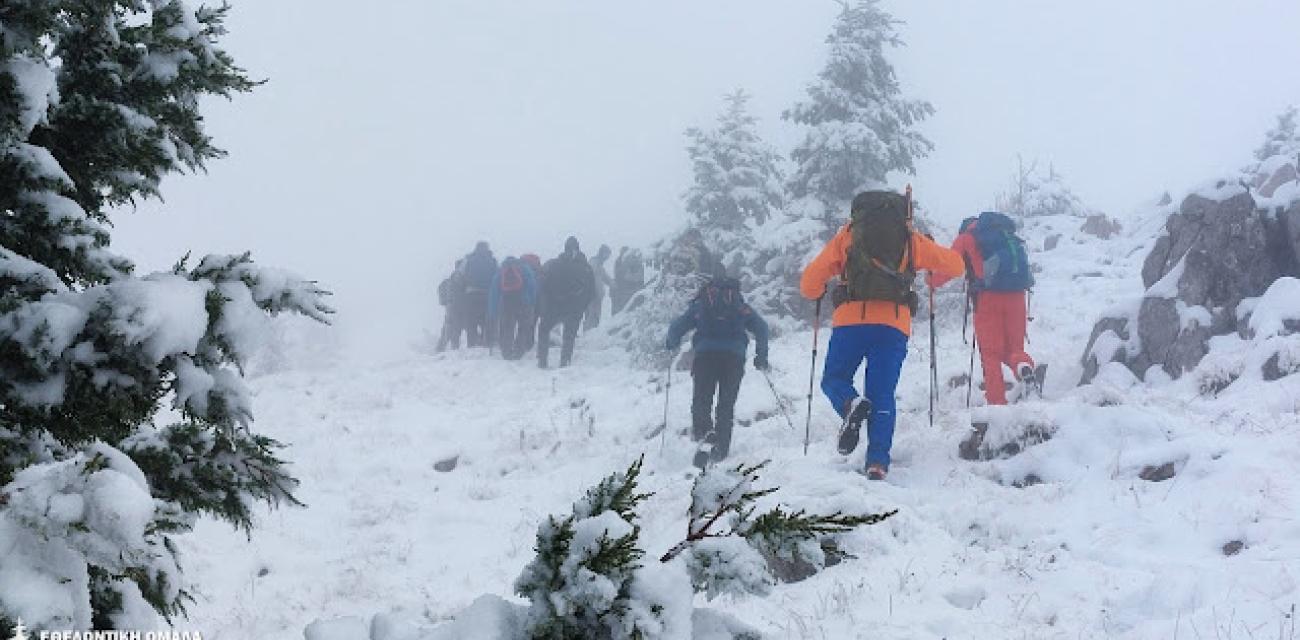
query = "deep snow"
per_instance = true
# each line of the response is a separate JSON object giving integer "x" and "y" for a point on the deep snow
{"x": 1092, "y": 551}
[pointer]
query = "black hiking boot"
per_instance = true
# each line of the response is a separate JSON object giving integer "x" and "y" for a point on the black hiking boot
{"x": 849, "y": 431}
{"x": 704, "y": 453}
{"x": 1031, "y": 379}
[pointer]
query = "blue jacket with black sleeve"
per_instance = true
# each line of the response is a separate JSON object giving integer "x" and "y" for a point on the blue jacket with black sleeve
{"x": 709, "y": 336}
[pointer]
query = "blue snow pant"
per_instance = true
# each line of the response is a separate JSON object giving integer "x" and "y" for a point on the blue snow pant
{"x": 884, "y": 348}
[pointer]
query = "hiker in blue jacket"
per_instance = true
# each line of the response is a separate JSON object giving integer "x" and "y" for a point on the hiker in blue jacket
{"x": 720, "y": 319}
{"x": 512, "y": 300}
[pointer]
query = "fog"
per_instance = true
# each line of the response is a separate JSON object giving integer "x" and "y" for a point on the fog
{"x": 387, "y": 141}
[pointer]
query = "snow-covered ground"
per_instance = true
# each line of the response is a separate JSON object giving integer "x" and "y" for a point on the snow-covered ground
{"x": 1091, "y": 551}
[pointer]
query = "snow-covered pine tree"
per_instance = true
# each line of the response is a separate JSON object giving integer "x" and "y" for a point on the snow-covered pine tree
{"x": 738, "y": 180}
{"x": 99, "y": 100}
{"x": 860, "y": 127}
{"x": 1282, "y": 139}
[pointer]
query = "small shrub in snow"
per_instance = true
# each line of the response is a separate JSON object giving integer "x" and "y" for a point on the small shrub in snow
{"x": 583, "y": 582}
{"x": 1034, "y": 193}
{"x": 721, "y": 516}
{"x": 588, "y": 579}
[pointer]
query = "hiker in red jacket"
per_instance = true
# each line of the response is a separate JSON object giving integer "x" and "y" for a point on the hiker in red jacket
{"x": 998, "y": 277}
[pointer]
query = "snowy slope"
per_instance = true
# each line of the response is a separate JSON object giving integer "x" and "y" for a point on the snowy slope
{"x": 1091, "y": 551}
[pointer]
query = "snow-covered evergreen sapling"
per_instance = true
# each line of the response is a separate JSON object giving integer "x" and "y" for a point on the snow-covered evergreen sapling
{"x": 586, "y": 581}
{"x": 730, "y": 550}
{"x": 98, "y": 102}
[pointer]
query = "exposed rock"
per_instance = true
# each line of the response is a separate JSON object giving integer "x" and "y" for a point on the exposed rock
{"x": 958, "y": 381}
{"x": 1118, "y": 326}
{"x": 1273, "y": 369}
{"x": 1051, "y": 242}
{"x": 975, "y": 447}
{"x": 969, "y": 449}
{"x": 1027, "y": 481}
{"x": 1101, "y": 226}
{"x": 798, "y": 569}
{"x": 1153, "y": 473}
{"x": 446, "y": 464}
{"x": 1213, "y": 255}
{"x": 1266, "y": 184}
{"x": 1233, "y": 548}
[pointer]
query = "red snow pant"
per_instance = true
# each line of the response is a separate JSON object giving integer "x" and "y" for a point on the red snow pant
{"x": 1000, "y": 333}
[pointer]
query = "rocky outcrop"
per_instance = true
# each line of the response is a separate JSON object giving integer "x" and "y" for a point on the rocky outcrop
{"x": 1219, "y": 249}
{"x": 1101, "y": 226}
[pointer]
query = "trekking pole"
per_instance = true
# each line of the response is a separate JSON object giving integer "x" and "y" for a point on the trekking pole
{"x": 934, "y": 366}
{"x": 812, "y": 374}
{"x": 965, "y": 313}
{"x": 1029, "y": 312}
{"x": 970, "y": 373}
{"x": 779, "y": 402}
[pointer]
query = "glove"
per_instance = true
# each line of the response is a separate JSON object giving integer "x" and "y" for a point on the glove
{"x": 760, "y": 362}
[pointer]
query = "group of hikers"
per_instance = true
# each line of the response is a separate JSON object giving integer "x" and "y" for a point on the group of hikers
{"x": 869, "y": 267}
{"x": 515, "y": 305}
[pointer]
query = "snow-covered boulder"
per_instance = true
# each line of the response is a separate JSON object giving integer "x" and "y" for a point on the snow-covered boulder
{"x": 1223, "y": 246}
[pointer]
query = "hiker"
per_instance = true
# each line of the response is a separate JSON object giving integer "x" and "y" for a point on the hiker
{"x": 529, "y": 336}
{"x": 997, "y": 278}
{"x": 480, "y": 268}
{"x": 877, "y": 256}
{"x": 511, "y": 302}
{"x": 603, "y": 281}
{"x": 720, "y": 319}
{"x": 629, "y": 278}
{"x": 451, "y": 295}
{"x": 568, "y": 285}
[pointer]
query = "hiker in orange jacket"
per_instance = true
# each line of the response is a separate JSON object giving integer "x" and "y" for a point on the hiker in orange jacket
{"x": 874, "y": 322}
{"x": 1000, "y": 312}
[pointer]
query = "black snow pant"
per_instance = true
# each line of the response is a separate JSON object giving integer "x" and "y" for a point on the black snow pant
{"x": 716, "y": 372}
{"x": 572, "y": 321}
{"x": 515, "y": 320}
{"x": 453, "y": 324}
{"x": 475, "y": 318}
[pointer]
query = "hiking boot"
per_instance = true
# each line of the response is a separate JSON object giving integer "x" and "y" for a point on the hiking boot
{"x": 1029, "y": 376}
{"x": 1026, "y": 374}
{"x": 876, "y": 472}
{"x": 858, "y": 411}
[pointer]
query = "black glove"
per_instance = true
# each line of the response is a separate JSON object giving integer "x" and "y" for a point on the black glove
{"x": 760, "y": 362}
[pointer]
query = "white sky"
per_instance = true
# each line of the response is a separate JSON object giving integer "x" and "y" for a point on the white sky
{"x": 389, "y": 140}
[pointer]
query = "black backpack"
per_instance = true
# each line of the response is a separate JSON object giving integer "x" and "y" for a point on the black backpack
{"x": 566, "y": 282}
{"x": 880, "y": 262}
{"x": 720, "y": 309}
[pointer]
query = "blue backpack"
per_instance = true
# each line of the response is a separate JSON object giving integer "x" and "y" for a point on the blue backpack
{"x": 720, "y": 309}
{"x": 1006, "y": 263}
